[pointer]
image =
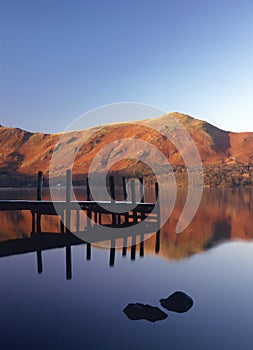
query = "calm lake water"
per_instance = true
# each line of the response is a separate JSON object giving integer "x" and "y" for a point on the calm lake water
{"x": 211, "y": 261}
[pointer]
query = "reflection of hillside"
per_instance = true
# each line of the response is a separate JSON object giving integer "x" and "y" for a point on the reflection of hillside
{"x": 224, "y": 214}
{"x": 17, "y": 224}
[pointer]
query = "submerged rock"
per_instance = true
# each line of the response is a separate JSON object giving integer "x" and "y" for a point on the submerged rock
{"x": 147, "y": 312}
{"x": 177, "y": 302}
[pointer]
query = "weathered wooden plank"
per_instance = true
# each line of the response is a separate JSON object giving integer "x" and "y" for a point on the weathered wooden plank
{"x": 48, "y": 207}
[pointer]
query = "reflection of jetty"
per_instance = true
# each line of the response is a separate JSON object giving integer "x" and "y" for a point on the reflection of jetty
{"x": 46, "y": 241}
{"x": 122, "y": 213}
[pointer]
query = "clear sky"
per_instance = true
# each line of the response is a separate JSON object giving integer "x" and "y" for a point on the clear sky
{"x": 61, "y": 58}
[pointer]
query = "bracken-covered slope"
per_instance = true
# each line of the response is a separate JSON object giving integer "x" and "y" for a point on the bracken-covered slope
{"x": 23, "y": 154}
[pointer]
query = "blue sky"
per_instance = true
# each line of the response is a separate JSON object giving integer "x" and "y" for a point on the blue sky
{"x": 59, "y": 59}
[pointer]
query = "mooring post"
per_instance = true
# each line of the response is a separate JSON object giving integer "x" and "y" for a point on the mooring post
{"x": 68, "y": 263}
{"x": 77, "y": 220}
{"x": 62, "y": 227}
{"x": 68, "y": 185}
{"x": 39, "y": 186}
{"x": 157, "y": 195}
{"x": 88, "y": 251}
{"x": 124, "y": 188}
{"x": 135, "y": 216}
{"x": 112, "y": 253}
{"x": 133, "y": 248}
{"x": 141, "y": 190}
{"x": 68, "y": 198}
{"x": 133, "y": 191}
{"x": 142, "y": 245}
{"x": 33, "y": 222}
{"x": 157, "y": 242}
{"x": 39, "y": 198}
{"x": 112, "y": 188}
{"x": 142, "y": 195}
{"x": 100, "y": 219}
{"x": 124, "y": 248}
{"x": 38, "y": 223}
{"x": 125, "y": 197}
{"x": 156, "y": 191}
{"x": 39, "y": 261}
{"x": 88, "y": 198}
{"x": 88, "y": 195}
{"x": 112, "y": 193}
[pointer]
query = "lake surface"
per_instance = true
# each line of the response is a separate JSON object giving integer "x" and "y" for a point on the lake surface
{"x": 211, "y": 261}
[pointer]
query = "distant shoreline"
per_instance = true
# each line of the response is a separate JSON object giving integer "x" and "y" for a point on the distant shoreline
{"x": 214, "y": 175}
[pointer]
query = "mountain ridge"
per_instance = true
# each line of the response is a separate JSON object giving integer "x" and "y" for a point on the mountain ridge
{"x": 23, "y": 153}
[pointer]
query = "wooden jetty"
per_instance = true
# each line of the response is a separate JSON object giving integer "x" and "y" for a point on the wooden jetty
{"x": 122, "y": 213}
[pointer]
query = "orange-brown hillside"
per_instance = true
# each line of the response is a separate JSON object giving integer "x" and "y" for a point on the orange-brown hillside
{"x": 23, "y": 154}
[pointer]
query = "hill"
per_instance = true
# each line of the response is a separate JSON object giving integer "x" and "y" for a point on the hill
{"x": 227, "y": 157}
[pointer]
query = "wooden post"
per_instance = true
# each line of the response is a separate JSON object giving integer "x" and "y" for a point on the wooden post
{"x": 77, "y": 220}
{"x": 39, "y": 186}
{"x": 141, "y": 190}
{"x": 100, "y": 219}
{"x": 124, "y": 251}
{"x": 157, "y": 242}
{"x": 68, "y": 198}
{"x": 68, "y": 185}
{"x": 158, "y": 204}
{"x": 112, "y": 188}
{"x": 39, "y": 198}
{"x": 124, "y": 248}
{"x": 88, "y": 198}
{"x": 133, "y": 248}
{"x": 142, "y": 194}
{"x": 38, "y": 223}
{"x": 62, "y": 227}
{"x": 112, "y": 253}
{"x": 39, "y": 261}
{"x": 142, "y": 246}
{"x": 135, "y": 216}
{"x": 88, "y": 251}
{"x": 156, "y": 191}
{"x": 133, "y": 191}
{"x": 33, "y": 221}
{"x": 88, "y": 195}
{"x": 124, "y": 188}
{"x": 124, "y": 196}
{"x": 112, "y": 193}
{"x": 68, "y": 263}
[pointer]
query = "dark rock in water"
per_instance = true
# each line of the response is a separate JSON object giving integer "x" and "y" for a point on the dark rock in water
{"x": 177, "y": 302}
{"x": 147, "y": 312}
